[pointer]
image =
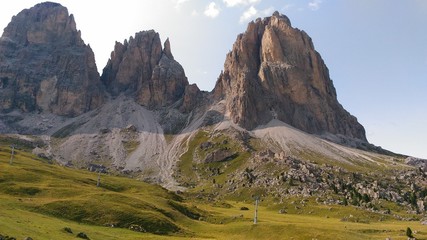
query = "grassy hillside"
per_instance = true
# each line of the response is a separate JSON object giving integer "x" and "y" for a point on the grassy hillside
{"x": 40, "y": 199}
{"x": 31, "y": 188}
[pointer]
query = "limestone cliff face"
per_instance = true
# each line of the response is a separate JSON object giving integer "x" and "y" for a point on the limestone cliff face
{"x": 141, "y": 67}
{"x": 45, "y": 65}
{"x": 273, "y": 71}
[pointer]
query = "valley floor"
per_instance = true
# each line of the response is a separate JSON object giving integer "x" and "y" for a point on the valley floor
{"x": 20, "y": 224}
{"x": 40, "y": 199}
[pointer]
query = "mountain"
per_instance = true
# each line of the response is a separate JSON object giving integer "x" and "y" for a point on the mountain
{"x": 45, "y": 66}
{"x": 141, "y": 67}
{"x": 274, "y": 72}
{"x": 271, "y": 127}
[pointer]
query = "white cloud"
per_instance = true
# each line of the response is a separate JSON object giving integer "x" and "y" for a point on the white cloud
{"x": 233, "y": 3}
{"x": 179, "y": 3}
{"x": 252, "y": 13}
{"x": 248, "y": 14}
{"x": 314, "y": 5}
{"x": 212, "y": 10}
{"x": 194, "y": 13}
{"x": 268, "y": 11}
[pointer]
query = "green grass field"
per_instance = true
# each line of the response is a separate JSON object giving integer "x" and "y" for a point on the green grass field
{"x": 39, "y": 199}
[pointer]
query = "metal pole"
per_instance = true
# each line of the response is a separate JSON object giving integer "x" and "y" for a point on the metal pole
{"x": 99, "y": 179}
{"x": 256, "y": 211}
{"x": 11, "y": 154}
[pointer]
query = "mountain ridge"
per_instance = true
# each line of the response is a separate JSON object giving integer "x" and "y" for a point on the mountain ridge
{"x": 148, "y": 113}
{"x": 278, "y": 58}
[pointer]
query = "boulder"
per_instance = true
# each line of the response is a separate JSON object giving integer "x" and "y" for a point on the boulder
{"x": 220, "y": 155}
{"x": 82, "y": 235}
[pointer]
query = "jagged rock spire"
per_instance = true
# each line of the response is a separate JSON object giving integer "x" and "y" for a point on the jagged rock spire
{"x": 140, "y": 67}
{"x": 273, "y": 71}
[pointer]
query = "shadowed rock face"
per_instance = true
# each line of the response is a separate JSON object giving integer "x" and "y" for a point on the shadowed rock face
{"x": 192, "y": 97}
{"x": 141, "y": 67}
{"x": 273, "y": 71}
{"x": 45, "y": 65}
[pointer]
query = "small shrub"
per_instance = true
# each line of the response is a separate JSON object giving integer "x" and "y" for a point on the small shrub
{"x": 6, "y": 238}
{"x": 344, "y": 201}
{"x": 244, "y": 208}
{"x": 82, "y": 235}
{"x": 189, "y": 212}
{"x": 409, "y": 232}
{"x": 366, "y": 198}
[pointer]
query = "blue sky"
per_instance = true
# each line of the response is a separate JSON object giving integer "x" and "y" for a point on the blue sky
{"x": 376, "y": 50}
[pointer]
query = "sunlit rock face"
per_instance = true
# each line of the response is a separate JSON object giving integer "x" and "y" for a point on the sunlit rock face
{"x": 273, "y": 71}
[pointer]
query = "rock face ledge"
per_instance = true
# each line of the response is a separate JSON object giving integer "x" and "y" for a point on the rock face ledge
{"x": 141, "y": 67}
{"x": 45, "y": 65}
{"x": 273, "y": 71}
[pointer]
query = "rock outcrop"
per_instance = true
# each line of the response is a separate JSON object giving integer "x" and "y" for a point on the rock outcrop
{"x": 141, "y": 67}
{"x": 45, "y": 65}
{"x": 417, "y": 162}
{"x": 192, "y": 97}
{"x": 220, "y": 155}
{"x": 273, "y": 71}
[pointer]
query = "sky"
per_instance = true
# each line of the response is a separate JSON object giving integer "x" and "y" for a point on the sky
{"x": 376, "y": 50}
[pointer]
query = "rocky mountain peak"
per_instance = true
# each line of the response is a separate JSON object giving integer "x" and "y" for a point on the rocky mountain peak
{"x": 274, "y": 72}
{"x": 141, "y": 67}
{"x": 46, "y": 35}
{"x": 45, "y": 23}
{"x": 167, "y": 49}
{"x": 278, "y": 17}
{"x": 132, "y": 62}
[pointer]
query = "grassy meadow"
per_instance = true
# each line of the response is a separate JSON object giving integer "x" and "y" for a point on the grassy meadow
{"x": 39, "y": 199}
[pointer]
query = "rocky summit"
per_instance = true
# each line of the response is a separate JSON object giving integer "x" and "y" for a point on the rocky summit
{"x": 45, "y": 66}
{"x": 141, "y": 67}
{"x": 274, "y": 72}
